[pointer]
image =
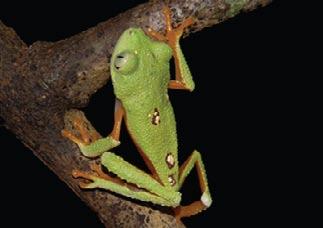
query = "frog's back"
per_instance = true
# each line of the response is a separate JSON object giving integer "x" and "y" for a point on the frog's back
{"x": 140, "y": 77}
{"x": 151, "y": 124}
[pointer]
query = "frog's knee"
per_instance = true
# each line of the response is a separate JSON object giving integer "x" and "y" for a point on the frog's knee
{"x": 107, "y": 158}
{"x": 206, "y": 199}
{"x": 196, "y": 154}
{"x": 177, "y": 200}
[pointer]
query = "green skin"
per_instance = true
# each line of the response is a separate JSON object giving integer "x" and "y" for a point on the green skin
{"x": 140, "y": 76}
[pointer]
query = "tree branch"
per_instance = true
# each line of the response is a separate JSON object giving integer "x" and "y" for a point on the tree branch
{"x": 40, "y": 83}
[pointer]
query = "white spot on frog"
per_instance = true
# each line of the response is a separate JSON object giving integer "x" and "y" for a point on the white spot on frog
{"x": 155, "y": 117}
{"x": 206, "y": 199}
{"x": 170, "y": 160}
{"x": 171, "y": 180}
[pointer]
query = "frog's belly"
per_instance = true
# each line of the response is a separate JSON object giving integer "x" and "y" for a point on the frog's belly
{"x": 154, "y": 132}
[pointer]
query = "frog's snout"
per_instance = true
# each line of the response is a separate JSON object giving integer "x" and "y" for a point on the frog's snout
{"x": 134, "y": 32}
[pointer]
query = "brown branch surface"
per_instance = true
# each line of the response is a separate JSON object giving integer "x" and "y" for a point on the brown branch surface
{"x": 40, "y": 83}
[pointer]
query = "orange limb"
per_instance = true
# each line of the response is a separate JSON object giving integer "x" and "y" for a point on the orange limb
{"x": 186, "y": 211}
{"x": 174, "y": 84}
{"x": 86, "y": 136}
{"x": 172, "y": 38}
{"x": 96, "y": 173}
{"x": 72, "y": 137}
{"x": 205, "y": 201}
{"x": 118, "y": 116}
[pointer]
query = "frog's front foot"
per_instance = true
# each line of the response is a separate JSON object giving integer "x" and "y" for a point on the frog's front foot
{"x": 84, "y": 137}
{"x": 89, "y": 141}
{"x": 172, "y": 34}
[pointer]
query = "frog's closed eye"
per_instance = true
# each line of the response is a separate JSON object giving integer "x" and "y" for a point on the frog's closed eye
{"x": 126, "y": 62}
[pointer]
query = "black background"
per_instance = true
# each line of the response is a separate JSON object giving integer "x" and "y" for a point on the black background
{"x": 234, "y": 117}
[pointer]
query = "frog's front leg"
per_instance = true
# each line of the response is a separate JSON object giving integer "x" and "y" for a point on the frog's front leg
{"x": 205, "y": 201}
{"x": 147, "y": 188}
{"x": 90, "y": 143}
{"x": 183, "y": 77}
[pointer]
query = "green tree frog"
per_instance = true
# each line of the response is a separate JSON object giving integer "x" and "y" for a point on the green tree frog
{"x": 140, "y": 73}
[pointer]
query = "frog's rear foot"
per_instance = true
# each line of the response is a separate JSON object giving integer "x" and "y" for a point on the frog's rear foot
{"x": 89, "y": 178}
{"x": 97, "y": 169}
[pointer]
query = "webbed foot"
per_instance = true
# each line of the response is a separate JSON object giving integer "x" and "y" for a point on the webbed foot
{"x": 183, "y": 77}
{"x": 94, "y": 176}
{"x": 172, "y": 34}
{"x": 86, "y": 136}
{"x": 88, "y": 176}
{"x": 89, "y": 141}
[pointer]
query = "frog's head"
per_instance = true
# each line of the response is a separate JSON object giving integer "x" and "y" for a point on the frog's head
{"x": 139, "y": 64}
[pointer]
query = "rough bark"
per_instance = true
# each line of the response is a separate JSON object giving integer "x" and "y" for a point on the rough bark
{"x": 40, "y": 83}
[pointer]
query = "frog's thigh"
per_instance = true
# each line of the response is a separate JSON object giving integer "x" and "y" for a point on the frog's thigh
{"x": 133, "y": 175}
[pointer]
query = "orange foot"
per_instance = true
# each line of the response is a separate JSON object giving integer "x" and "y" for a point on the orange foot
{"x": 95, "y": 174}
{"x": 86, "y": 136}
{"x": 172, "y": 34}
{"x": 88, "y": 176}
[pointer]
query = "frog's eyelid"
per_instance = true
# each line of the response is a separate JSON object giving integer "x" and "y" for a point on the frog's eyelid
{"x": 125, "y": 62}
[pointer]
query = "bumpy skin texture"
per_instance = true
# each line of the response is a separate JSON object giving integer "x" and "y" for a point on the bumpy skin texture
{"x": 143, "y": 91}
{"x": 100, "y": 146}
{"x": 141, "y": 78}
{"x": 37, "y": 123}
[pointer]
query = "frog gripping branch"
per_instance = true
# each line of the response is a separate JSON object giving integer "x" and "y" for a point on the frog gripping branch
{"x": 141, "y": 78}
{"x": 42, "y": 83}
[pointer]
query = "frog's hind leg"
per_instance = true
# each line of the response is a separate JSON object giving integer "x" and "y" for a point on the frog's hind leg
{"x": 98, "y": 179}
{"x": 141, "y": 179}
{"x": 205, "y": 201}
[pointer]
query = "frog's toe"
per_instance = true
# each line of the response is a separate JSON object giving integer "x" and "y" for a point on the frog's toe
{"x": 156, "y": 35}
{"x": 91, "y": 179}
{"x": 72, "y": 137}
{"x": 88, "y": 185}
{"x": 80, "y": 174}
{"x": 79, "y": 124}
{"x": 98, "y": 170}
